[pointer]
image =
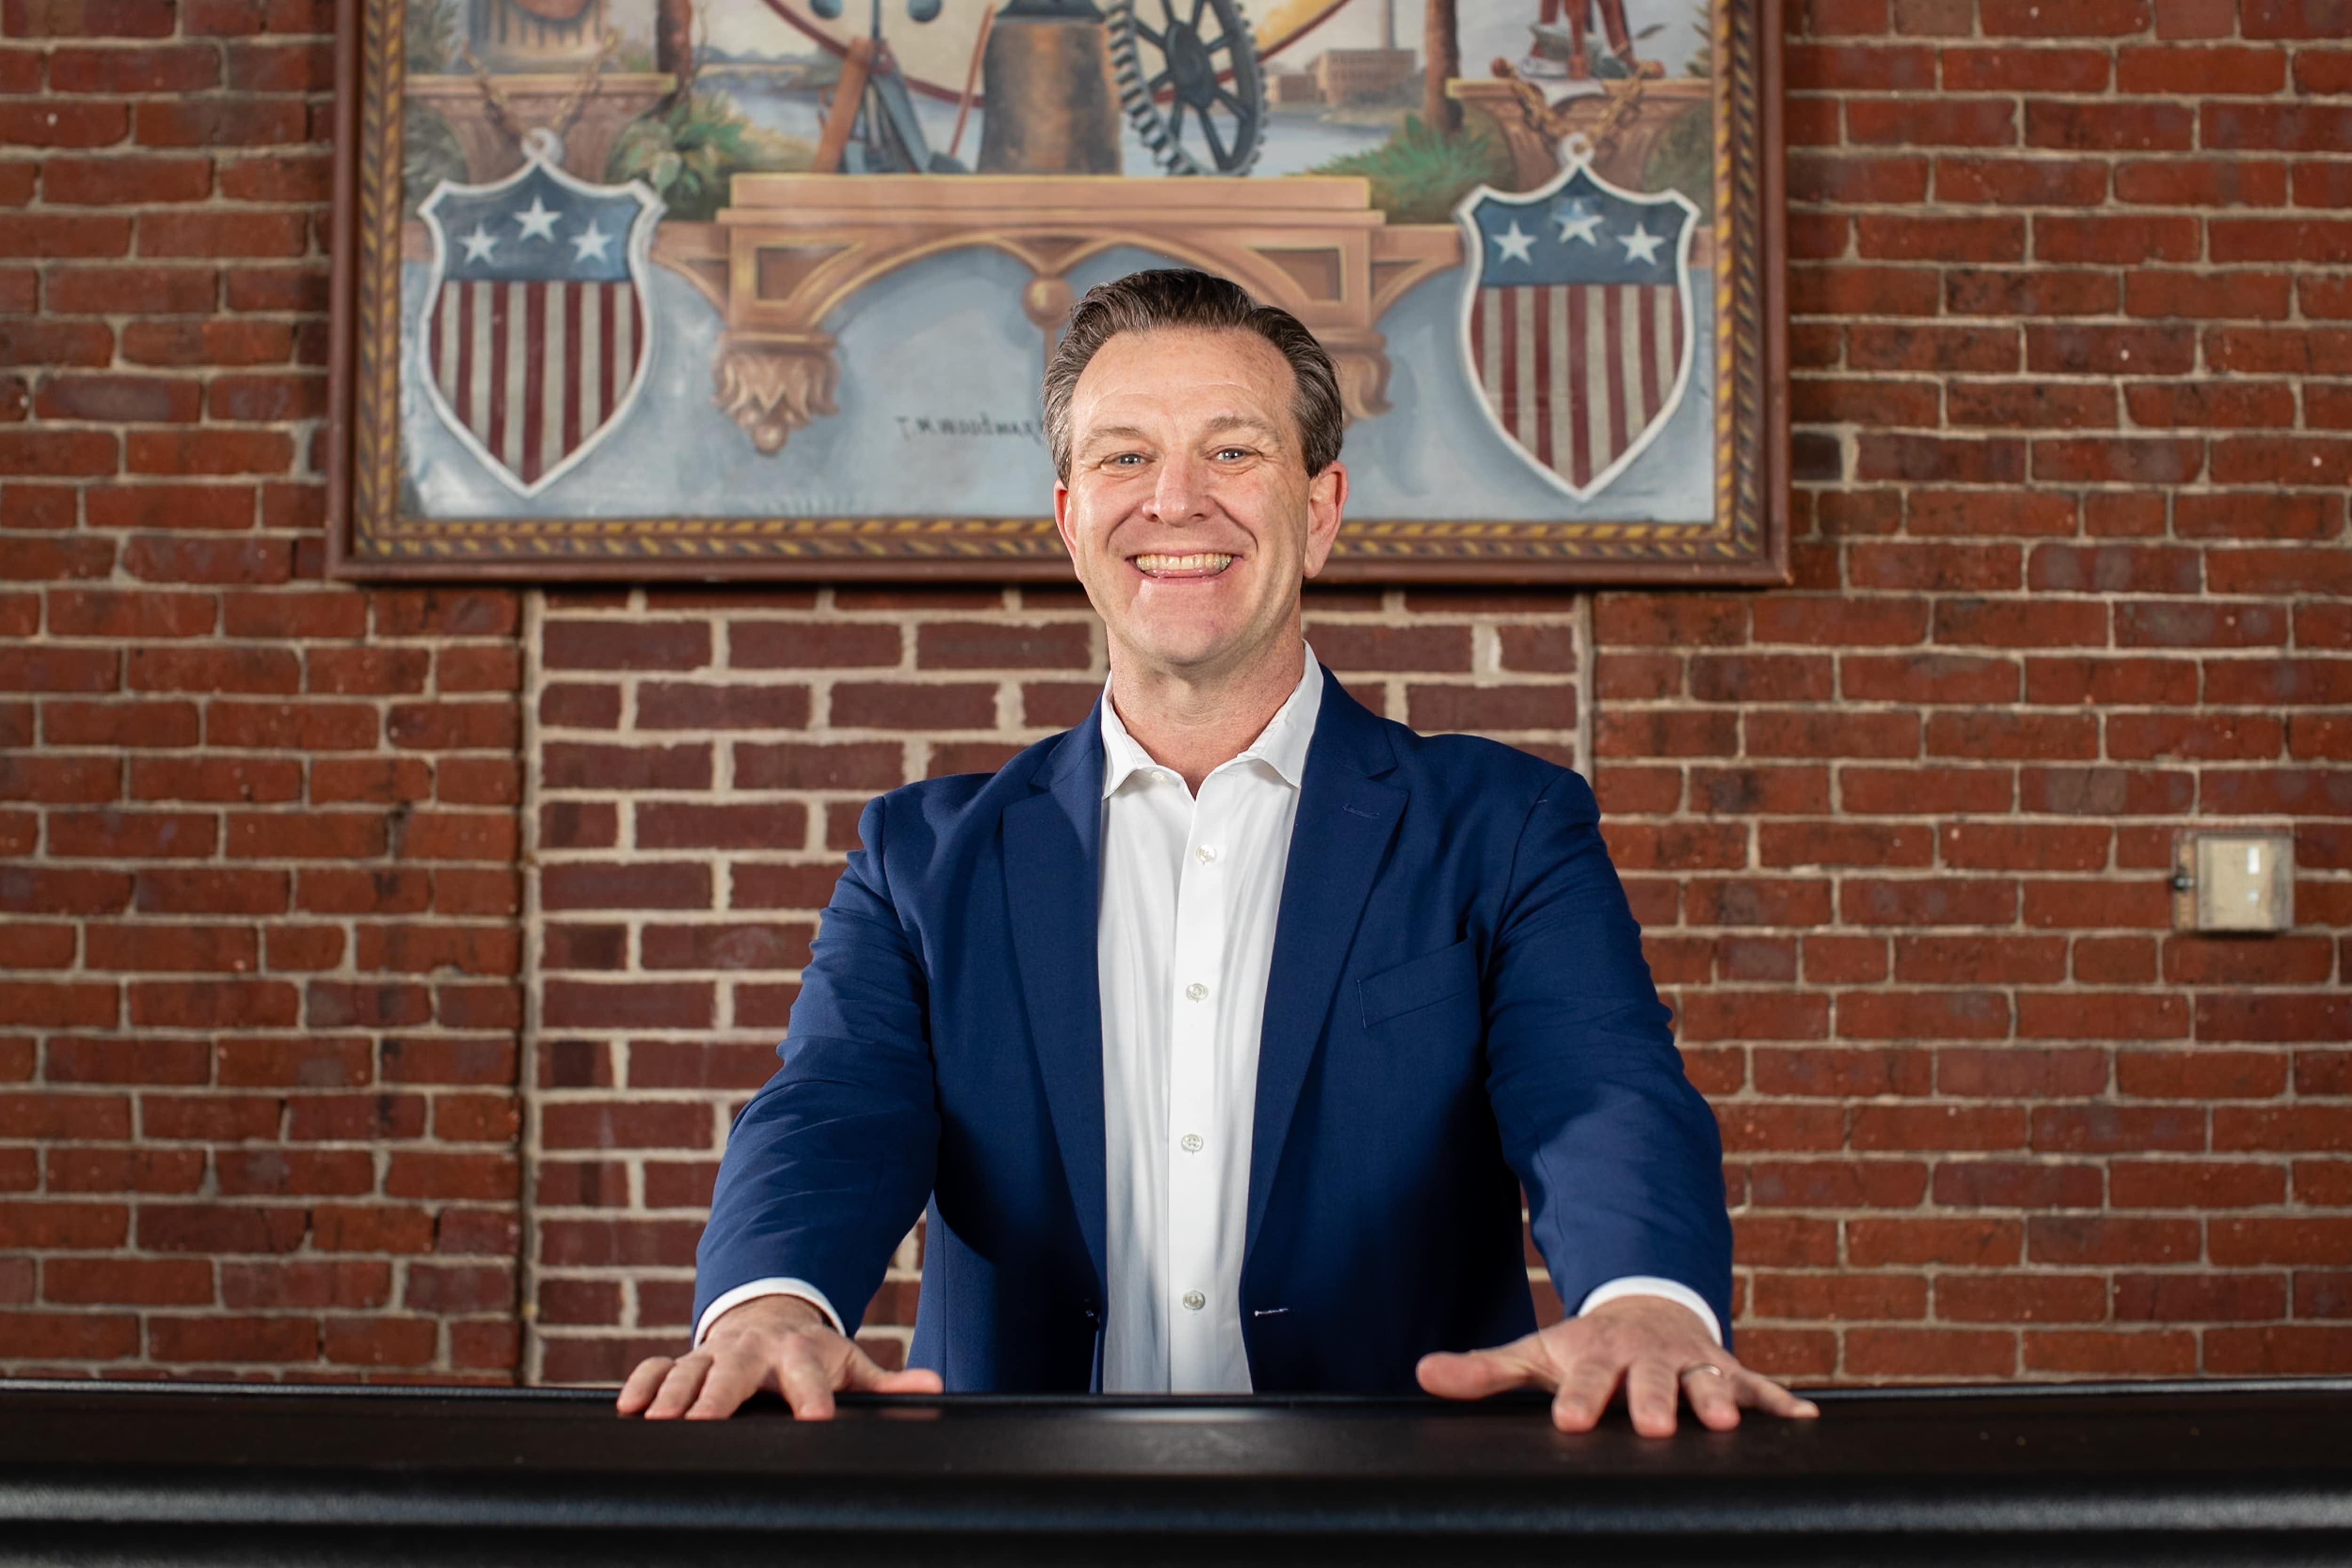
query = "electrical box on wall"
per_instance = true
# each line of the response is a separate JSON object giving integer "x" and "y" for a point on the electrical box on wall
{"x": 2234, "y": 880}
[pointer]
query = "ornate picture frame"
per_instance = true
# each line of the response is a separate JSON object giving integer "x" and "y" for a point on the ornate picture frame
{"x": 698, "y": 289}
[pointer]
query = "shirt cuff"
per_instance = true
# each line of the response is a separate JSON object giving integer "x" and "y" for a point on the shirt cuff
{"x": 787, "y": 1287}
{"x": 1644, "y": 1285}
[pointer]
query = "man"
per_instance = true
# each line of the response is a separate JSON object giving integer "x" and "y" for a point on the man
{"x": 1221, "y": 1033}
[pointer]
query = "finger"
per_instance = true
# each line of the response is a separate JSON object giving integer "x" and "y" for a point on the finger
{"x": 805, "y": 1385}
{"x": 678, "y": 1388}
{"x": 1768, "y": 1396}
{"x": 1478, "y": 1374}
{"x": 1584, "y": 1393}
{"x": 1650, "y": 1396}
{"x": 865, "y": 1373}
{"x": 914, "y": 1380}
{"x": 1714, "y": 1398}
{"x": 735, "y": 1376}
{"x": 638, "y": 1391}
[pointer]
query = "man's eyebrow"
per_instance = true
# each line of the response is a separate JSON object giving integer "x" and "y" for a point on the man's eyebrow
{"x": 1222, "y": 425}
{"x": 1225, "y": 422}
{"x": 1103, "y": 433}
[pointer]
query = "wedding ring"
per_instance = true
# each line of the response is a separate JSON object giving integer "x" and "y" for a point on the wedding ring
{"x": 1702, "y": 1366}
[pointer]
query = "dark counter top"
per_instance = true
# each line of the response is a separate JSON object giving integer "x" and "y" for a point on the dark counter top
{"x": 2146, "y": 1472}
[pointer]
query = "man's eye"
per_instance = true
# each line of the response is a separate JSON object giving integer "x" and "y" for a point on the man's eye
{"x": 1232, "y": 452}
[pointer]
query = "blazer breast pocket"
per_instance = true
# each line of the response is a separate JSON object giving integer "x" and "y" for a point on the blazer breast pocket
{"x": 1411, "y": 992}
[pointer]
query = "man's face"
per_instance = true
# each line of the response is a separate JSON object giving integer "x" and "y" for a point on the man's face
{"x": 1188, "y": 510}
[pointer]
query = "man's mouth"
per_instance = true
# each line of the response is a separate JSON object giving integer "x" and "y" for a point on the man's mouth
{"x": 1204, "y": 563}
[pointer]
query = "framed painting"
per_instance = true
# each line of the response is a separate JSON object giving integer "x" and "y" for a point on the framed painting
{"x": 764, "y": 288}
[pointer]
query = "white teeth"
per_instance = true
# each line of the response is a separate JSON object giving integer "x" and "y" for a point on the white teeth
{"x": 1199, "y": 562}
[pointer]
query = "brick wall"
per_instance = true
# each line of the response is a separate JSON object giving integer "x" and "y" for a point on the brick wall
{"x": 2071, "y": 297}
{"x": 257, "y": 875}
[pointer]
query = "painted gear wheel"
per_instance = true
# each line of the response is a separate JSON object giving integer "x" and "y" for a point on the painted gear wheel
{"x": 1203, "y": 64}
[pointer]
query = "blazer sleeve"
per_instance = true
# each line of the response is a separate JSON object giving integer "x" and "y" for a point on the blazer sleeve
{"x": 830, "y": 1162}
{"x": 1619, "y": 1155}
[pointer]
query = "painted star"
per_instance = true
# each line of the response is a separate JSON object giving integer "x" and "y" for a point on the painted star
{"x": 1515, "y": 243}
{"x": 590, "y": 242}
{"x": 538, "y": 223}
{"x": 479, "y": 244}
{"x": 1640, "y": 245}
{"x": 1576, "y": 220}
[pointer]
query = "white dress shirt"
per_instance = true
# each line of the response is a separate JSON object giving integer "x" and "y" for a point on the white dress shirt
{"x": 1191, "y": 887}
{"x": 1183, "y": 941}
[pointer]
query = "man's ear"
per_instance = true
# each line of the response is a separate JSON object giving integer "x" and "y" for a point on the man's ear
{"x": 1062, "y": 518}
{"x": 1326, "y": 498}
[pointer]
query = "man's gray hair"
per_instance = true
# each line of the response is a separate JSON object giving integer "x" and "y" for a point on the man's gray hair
{"x": 1174, "y": 297}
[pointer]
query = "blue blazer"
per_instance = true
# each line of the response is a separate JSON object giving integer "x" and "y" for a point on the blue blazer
{"x": 1458, "y": 1009}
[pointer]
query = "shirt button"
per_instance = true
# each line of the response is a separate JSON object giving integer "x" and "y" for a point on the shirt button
{"x": 1192, "y": 1142}
{"x": 1194, "y": 1300}
{"x": 1197, "y": 991}
{"x": 1207, "y": 853}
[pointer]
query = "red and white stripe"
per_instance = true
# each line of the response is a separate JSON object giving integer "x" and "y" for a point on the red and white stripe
{"x": 535, "y": 369}
{"x": 1577, "y": 371}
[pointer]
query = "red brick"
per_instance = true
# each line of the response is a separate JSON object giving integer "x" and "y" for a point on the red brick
{"x": 1937, "y": 1127}
{"x": 1931, "y": 121}
{"x": 965, "y": 646}
{"x": 51, "y": 123}
{"x": 626, "y": 645}
{"x": 2294, "y": 1127}
{"x": 2301, "y": 1239}
{"x": 2275, "y": 1349}
{"x": 2205, "y": 1185}
{"x": 587, "y": 1244}
{"x": 2003, "y": 1184}
{"x": 446, "y": 612}
{"x": 127, "y": 1281}
{"x": 676, "y": 705}
{"x": 576, "y": 1004}
{"x": 1485, "y": 709}
{"x": 1837, "y": 1298}
{"x": 781, "y": 887}
{"x": 69, "y": 1336}
{"x": 1846, "y": 179}
{"x": 1975, "y": 1243}
{"x": 2022, "y": 1298}
{"x": 482, "y": 1177}
{"x": 2095, "y": 1240}
{"x": 50, "y": 1225}
{"x": 339, "y": 1228}
{"x": 572, "y": 765}
{"x": 365, "y": 1005}
{"x": 908, "y": 707}
{"x": 2108, "y": 126}
{"x": 2026, "y": 292}
{"x": 669, "y": 1064}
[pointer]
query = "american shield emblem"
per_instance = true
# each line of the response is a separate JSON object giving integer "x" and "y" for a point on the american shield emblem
{"x": 536, "y": 336}
{"x": 1576, "y": 320}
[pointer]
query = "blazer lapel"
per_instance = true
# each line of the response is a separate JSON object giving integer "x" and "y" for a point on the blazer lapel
{"x": 1346, "y": 816}
{"x": 1052, "y": 873}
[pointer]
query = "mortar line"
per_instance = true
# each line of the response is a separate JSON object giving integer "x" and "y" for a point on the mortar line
{"x": 1580, "y": 621}
{"x": 531, "y": 1349}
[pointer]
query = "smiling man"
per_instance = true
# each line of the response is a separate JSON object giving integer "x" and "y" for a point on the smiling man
{"x": 1222, "y": 1033}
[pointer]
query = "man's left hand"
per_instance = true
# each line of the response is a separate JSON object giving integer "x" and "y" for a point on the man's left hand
{"x": 1657, "y": 1350}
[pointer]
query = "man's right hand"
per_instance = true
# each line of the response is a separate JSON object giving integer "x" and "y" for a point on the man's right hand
{"x": 781, "y": 1343}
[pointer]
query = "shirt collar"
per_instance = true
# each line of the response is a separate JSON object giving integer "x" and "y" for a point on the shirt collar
{"x": 1281, "y": 745}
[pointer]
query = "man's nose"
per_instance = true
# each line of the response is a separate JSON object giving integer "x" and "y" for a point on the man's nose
{"x": 1181, "y": 495}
